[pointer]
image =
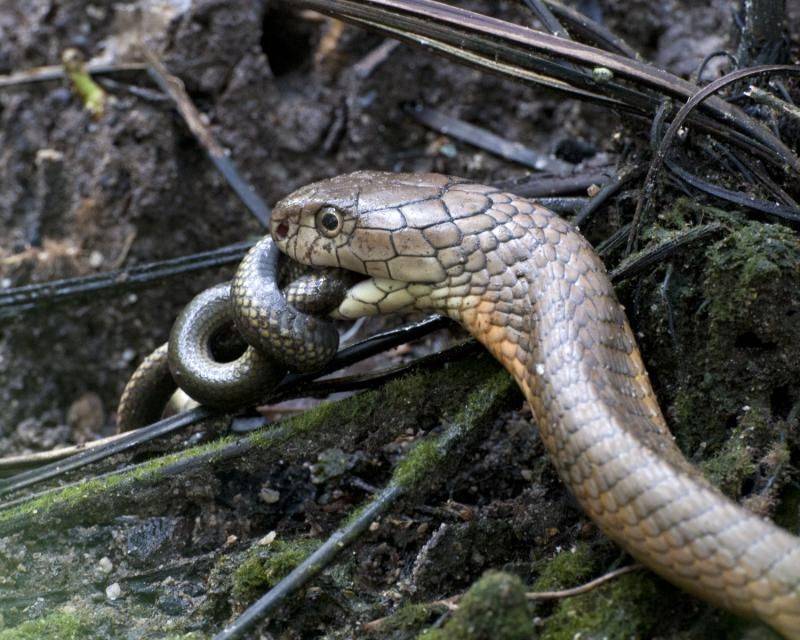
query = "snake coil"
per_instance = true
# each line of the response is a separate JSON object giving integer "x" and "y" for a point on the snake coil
{"x": 275, "y": 332}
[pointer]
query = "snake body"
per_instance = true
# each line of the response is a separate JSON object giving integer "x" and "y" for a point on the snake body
{"x": 532, "y": 290}
{"x": 271, "y": 306}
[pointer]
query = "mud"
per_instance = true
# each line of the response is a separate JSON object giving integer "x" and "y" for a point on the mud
{"x": 188, "y": 551}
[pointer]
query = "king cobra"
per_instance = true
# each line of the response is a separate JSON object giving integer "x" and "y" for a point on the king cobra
{"x": 534, "y": 293}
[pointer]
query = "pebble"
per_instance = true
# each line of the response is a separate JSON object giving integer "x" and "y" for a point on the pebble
{"x": 270, "y": 496}
{"x": 95, "y": 259}
{"x": 105, "y": 564}
{"x": 268, "y": 539}
{"x": 113, "y": 591}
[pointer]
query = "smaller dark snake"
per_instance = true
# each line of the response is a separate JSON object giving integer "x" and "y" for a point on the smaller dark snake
{"x": 278, "y": 331}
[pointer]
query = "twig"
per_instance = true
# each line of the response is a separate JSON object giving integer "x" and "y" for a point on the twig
{"x": 451, "y": 603}
{"x": 564, "y": 204}
{"x": 35, "y": 296}
{"x": 698, "y": 75}
{"x": 532, "y": 56}
{"x": 775, "y": 103}
{"x": 540, "y": 186}
{"x": 790, "y": 214}
{"x": 51, "y": 195}
{"x": 762, "y": 31}
{"x": 293, "y": 385}
{"x": 546, "y": 17}
{"x": 56, "y": 72}
{"x": 364, "y": 67}
{"x": 412, "y": 475}
{"x": 639, "y": 262}
{"x": 608, "y": 190}
{"x": 614, "y": 241}
{"x": 129, "y": 441}
{"x": 584, "y": 588}
{"x": 313, "y": 564}
{"x": 13, "y": 464}
{"x": 485, "y": 139}
{"x": 697, "y": 99}
{"x": 175, "y": 89}
{"x": 592, "y": 31}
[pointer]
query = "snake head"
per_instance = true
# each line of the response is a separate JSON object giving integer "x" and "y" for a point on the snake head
{"x": 370, "y": 222}
{"x": 395, "y": 228}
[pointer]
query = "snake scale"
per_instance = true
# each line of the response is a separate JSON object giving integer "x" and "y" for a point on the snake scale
{"x": 274, "y": 308}
{"x": 531, "y": 289}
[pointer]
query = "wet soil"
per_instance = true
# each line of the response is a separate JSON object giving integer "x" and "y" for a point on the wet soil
{"x": 179, "y": 557}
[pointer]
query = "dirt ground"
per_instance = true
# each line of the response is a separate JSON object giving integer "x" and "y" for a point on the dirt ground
{"x": 178, "y": 556}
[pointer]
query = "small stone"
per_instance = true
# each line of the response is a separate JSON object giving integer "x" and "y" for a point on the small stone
{"x": 96, "y": 259}
{"x": 602, "y": 75}
{"x": 527, "y": 474}
{"x": 268, "y": 539}
{"x": 593, "y": 190}
{"x": 113, "y": 591}
{"x": 374, "y": 526}
{"x": 86, "y": 415}
{"x": 270, "y": 496}
{"x": 231, "y": 539}
{"x": 105, "y": 565}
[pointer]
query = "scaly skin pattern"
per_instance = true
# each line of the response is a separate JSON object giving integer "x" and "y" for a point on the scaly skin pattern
{"x": 272, "y": 326}
{"x": 275, "y": 323}
{"x": 532, "y": 290}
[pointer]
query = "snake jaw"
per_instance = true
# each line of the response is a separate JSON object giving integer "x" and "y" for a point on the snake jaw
{"x": 381, "y": 295}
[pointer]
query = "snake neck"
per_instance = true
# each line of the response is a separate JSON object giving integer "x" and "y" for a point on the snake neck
{"x": 542, "y": 304}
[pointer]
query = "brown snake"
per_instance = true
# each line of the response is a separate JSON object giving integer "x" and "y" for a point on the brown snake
{"x": 531, "y": 289}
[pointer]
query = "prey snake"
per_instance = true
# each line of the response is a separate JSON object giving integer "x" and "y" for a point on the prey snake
{"x": 529, "y": 287}
{"x": 278, "y": 329}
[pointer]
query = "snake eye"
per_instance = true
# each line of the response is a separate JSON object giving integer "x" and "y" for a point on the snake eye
{"x": 329, "y": 221}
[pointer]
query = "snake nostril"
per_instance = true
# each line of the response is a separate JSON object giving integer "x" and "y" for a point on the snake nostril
{"x": 281, "y": 230}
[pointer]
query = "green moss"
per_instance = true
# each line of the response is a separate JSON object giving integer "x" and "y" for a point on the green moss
{"x": 263, "y": 568}
{"x": 420, "y": 461}
{"x": 735, "y": 343}
{"x": 732, "y": 464}
{"x": 631, "y": 606}
{"x": 568, "y": 569}
{"x": 408, "y": 619}
{"x": 494, "y": 608}
{"x": 62, "y": 624}
{"x": 408, "y": 398}
{"x": 428, "y": 456}
{"x": 748, "y": 263}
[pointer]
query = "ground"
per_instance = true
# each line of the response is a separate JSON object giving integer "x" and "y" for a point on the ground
{"x": 176, "y": 547}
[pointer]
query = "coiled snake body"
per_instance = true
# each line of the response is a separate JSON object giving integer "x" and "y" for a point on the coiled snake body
{"x": 533, "y": 291}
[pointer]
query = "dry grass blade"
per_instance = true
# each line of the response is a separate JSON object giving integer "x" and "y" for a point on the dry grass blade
{"x": 546, "y": 17}
{"x": 584, "y": 588}
{"x": 703, "y": 95}
{"x": 532, "y": 56}
{"x": 56, "y": 72}
{"x": 591, "y": 31}
{"x": 174, "y": 88}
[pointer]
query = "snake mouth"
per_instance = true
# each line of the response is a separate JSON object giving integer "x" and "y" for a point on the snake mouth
{"x": 375, "y": 295}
